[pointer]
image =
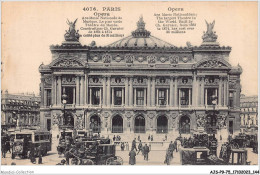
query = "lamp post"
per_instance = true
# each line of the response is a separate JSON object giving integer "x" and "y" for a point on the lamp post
{"x": 214, "y": 141}
{"x": 64, "y": 102}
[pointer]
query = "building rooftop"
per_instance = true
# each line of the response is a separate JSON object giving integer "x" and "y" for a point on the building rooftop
{"x": 141, "y": 38}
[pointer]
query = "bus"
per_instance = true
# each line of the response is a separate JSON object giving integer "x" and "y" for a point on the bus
{"x": 25, "y": 140}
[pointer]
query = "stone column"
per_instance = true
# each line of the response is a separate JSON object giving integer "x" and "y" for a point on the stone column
{"x": 219, "y": 92}
{"x": 145, "y": 96}
{"x": 113, "y": 96}
{"x": 77, "y": 90}
{"x": 126, "y": 92}
{"x": 149, "y": 92}
{"x": 171, "y": 92}
{"x": 167, "y": 97}
{"x": 202, "y": 97}
{"x": 131, "y": 92}
{"x": 123, "y": 97}
{"x": 86, "y": 89}
{"x": 81, "y": 94}
{"x": 134, "y": 96}
{"x": 100, "y": 96}
{"x": 206, "y": 97}
{"x": 42, "y": 92}
{"x": 189, "y": 97}
{"x": 179, "y": 98}
{"x": 157, "y": 97}
{"x": 225, "y": 92}
{"x": 108, "y": 92}
{"x": 53, "y": 89}
{"x": 104, "y": 91}
{"x": 74, "y": 96}
{"x": 59, "y": 91}
{"x": 153, "y": 91}
{"x": 90, "y": 96}
{"x": 45, "y": 97}
{"x": 198, "y": 92}
{"x": 175, "y": 92}
{"x": 194, "y": 90}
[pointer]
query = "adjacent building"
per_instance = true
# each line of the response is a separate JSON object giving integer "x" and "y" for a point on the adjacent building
{"x": 249, "y": 114}
{"x": 141, "y": 85}
{"x": 22, "y": 110}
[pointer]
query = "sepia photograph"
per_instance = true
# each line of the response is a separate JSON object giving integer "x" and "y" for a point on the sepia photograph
{"x": 135, "y": 84}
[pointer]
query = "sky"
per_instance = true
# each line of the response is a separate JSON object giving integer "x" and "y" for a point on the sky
{"x": 29, "y": 28}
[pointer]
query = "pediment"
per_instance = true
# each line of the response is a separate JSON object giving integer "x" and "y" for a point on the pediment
{"x": 68, "y": 62}
{"x": 213, "y": 64}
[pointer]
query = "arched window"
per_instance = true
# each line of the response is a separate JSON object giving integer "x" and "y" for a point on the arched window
{"x": 184, "y": 125}
{"x": 139, "y": 124}
{"x": 95, "y": 124}
{"x": 117, "y": 124}
{"x": 162, "y": 124}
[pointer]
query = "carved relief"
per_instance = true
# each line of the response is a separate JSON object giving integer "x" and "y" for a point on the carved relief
{"x": 140, "y": 81}
{"x": 151, "y": 116}
{"x": 129, "y": 58}
{"x": 221, "y": 122}
{"x": 68, "y": 62}
{"x": 96, "y": 58}
{"x": 162, "y": 81}
{"x": 232, "y": 84}
{"x": 174, "y": 60}
{"x": 185, "y": 81}
{"x": 79, "y": 121}
{"x": 201, "y": 120}
{"x": 117, "y": 81}
{"x": 211, "y": 81}
{"x": 151, "y": 59}
{"x": 95, "y": 80}
{"x": 56, "y": 119}
{"x": 185, "y": 59}
{"x": 163, "y": 59}
{"x": 106, "y": 58}
{"x": 173, "y": 116}
{"x": 68, "y": 80}
{"x": 48, "y": 81}
{"x": 140, "y": 59}
{"x": 118, "y": 58}
{"x": 128, "y": 116}
{"x": 212, "y": 64}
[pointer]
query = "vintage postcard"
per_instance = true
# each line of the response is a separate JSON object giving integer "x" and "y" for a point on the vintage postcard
{"x": 129, "y": 83}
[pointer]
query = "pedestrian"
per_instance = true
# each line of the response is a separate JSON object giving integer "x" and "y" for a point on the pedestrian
{"x": 132, "y": 154}
{"x": 167, "y": 157}
{"x": 114, "y": 138}
{"x": 134, "y": 144}
{"x": 127, "y": 146}
{"x": 32, "y": 155}
{"x": 67, "y": 155}
{"x": 138, "y": 138}
{"x": 171, "y": 149}
{"x": 175, "y": 146}
{"x": 40, "y": 156}
{"x": 151, "y": 137}
{"x": 140, "y": 147}
{"x": 165, "y": 137}
{"x": 146, "y": 152}
{"x": 122, "y": 146}
{"x": 178, "y": 145}
{"x": 4, "y": 150}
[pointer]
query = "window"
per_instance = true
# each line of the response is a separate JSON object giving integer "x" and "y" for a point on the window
{"x": 184, "y": 96}
{"x": 162, "y": 96}
{"x": 140, "y": 80}
{"x": 212, "y": 96}
{"x": 96, "y": 96}
{"x": 70, "y": 95}
{"x": 140, "y": 96}
{"x": 48, "y": 97}
{"x": 118, "y": 96}
{"x": 118, "y": 80}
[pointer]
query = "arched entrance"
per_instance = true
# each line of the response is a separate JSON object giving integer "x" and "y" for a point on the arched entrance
{"x": 162, "y": 124}
{"x": 211, "y": 124}
{"x": 95, "y": 124}
{"x": 139, "y": 124}
{"x": 184, "y": 125}
{"x": 117, "y": 124}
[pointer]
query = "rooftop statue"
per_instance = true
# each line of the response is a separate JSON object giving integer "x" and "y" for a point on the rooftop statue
{"x": 210, "y": 35}
{"x": 72, "y": 34}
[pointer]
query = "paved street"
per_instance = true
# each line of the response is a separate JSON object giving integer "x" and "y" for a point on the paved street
{"x": 156, "y": 157}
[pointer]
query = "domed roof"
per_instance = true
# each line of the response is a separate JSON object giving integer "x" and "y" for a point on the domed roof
{"x": 141, "y": 38}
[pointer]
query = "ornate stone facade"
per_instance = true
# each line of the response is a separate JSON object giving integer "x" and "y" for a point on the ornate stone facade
{"x": 22, "y": 110}
{"x": 141, "y": 84}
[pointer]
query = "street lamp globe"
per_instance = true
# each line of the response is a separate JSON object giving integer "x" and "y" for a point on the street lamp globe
{"x": 64, "y": 98}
